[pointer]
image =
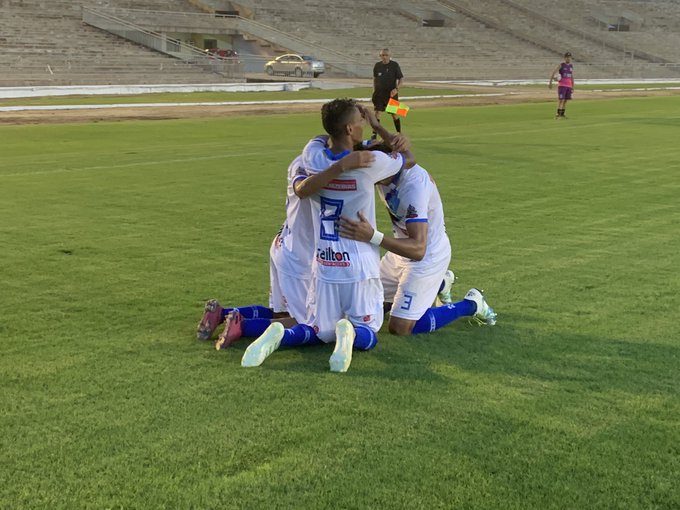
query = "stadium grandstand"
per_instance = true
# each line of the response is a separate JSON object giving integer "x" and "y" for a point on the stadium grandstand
{"x": 58, "y": 42}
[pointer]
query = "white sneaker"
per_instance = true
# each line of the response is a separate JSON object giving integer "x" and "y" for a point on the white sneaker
{"x": 484, "y": 314}
{"x": 344, "y": 342}
{"x": 444, "y": 296}
{"x": 261, "y": 348}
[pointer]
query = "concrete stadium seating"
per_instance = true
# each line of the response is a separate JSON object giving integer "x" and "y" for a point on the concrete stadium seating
{"x": 45, "y": 41}
{"x": 479, "y": 39}
{"x": 657, "y": 35}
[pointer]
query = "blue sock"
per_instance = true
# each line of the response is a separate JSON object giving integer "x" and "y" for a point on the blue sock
{"x": 435, "y": 318}
{"x": 251, "y": 312}
{"x": 365, "y": 338}
{"x": 252, "y": 328}
{"x": 300, "y": 334}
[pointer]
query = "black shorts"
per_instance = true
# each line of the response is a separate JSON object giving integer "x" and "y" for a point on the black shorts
{"x": 381, "y": 98}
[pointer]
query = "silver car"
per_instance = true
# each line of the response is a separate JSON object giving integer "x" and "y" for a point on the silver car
{"x": 292, "y": 64}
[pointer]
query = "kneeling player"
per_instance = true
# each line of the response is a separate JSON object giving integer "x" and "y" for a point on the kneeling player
{"x": 291, "y": 255}
{"x": 418, "y": 256}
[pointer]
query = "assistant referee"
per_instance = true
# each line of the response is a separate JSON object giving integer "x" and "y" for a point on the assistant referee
{"x": 387, "y": 78}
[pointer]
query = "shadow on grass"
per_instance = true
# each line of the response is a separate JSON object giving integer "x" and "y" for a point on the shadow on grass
{"x": 517, "y": 347}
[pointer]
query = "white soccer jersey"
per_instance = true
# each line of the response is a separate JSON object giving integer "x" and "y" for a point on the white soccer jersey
{"x": 412, "y": 196}
{"x": 297, "y": 238}
{"x": 340, "y": 260}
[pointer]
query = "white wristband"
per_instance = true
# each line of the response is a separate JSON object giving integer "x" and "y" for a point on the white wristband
{"x": 377, "y": 238}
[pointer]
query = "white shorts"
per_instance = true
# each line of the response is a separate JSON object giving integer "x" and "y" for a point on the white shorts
{"x": 359, "y": 302}
{"x": 287, "y": 293}
{"x": 411, "y": 287}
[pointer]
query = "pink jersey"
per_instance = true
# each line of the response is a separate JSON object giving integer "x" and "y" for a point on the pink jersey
{"x": 566, "y": 75}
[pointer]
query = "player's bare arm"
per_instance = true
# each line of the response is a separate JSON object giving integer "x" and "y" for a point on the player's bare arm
{"x": 308, "y": 186}
{"x": 413, "y": 247}
{"x": 372, "y": 120}
{"x": 398, "y": 142}
{"x": 552, "y": 76}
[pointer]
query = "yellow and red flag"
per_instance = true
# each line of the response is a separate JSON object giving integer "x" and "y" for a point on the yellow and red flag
{"x": 397, "y": 108}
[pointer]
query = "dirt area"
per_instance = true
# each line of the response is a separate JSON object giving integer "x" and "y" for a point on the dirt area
{"x": 512, "y": 95}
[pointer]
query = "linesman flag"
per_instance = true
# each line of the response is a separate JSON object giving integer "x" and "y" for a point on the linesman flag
{"x": 397, "y": 108}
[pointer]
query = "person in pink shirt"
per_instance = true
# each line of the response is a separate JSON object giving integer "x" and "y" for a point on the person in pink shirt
{"x": 564, "y": 73}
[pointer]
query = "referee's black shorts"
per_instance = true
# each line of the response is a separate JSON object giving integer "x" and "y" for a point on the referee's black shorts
{"x": 381, "y": 98}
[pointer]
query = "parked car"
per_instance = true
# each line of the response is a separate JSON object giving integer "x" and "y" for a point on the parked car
{"x": 297, "y": 65}
{"x": 229, "y": 55}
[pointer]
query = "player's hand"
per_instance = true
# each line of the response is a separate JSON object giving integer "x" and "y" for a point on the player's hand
{"x": 400, "y": 143}
{"x": 394, "y": 92}
{"x": 369, "y": 115}
{"x": 360, "y": 230}
{"x": 357, "y": 159}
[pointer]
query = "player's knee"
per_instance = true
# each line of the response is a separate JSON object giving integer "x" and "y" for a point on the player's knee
{"x": 400, "y": 327}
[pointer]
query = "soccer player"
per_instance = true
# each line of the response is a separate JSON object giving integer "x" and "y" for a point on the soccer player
{"x": 291, "y": 256}
{"x": 387, "y": 78}
{"x": 418, "y": 257}
{"x": 346, "y": 300}
{"x": 565, "y": 85}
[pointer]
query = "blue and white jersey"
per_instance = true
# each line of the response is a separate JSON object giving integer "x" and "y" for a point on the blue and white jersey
{"x": 412, "y": 196}
{"x": 296, "y": 241}
{"x": 340, "y": 260}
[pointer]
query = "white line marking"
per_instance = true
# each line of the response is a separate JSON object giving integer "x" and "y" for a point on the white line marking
{"x": 220, "y": 103}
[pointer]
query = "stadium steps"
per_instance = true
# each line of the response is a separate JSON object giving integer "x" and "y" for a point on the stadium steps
{"x": 40, "y": 33}
{"x": 656, "y": 41}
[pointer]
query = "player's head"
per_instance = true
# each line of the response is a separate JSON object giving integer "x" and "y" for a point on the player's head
{"x": 341, "y": 118}
{"x": 385, "y": 55}
{"x": 567, "y": 57}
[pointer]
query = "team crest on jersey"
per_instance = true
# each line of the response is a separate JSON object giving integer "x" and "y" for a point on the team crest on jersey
{"x": 411, "y": 212}
{"x": 392, "y": 200}
{"x": 328, "y": 257}
{"x": 367, "y": 318}
{"x": 301, "y": 172}
{"x": 342, "y": 185}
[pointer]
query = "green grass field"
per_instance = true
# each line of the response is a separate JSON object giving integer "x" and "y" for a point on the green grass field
{"x": 114, "y": 234}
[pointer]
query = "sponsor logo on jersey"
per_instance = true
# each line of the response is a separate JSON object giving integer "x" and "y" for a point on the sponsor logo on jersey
{"x": 328, "y": 257}
{"x": 342, "y": 185}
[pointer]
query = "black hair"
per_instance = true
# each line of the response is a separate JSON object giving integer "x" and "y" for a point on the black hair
{"x": 380, "y": 147}
{"x": 335, "y": 115}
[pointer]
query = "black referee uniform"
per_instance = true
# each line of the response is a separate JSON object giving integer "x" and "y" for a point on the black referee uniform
{"x": 385, "y": 78}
